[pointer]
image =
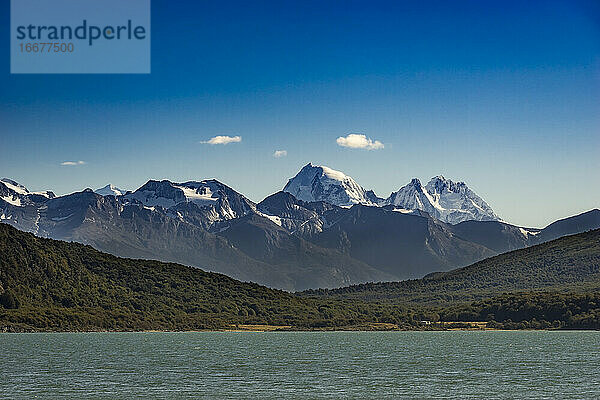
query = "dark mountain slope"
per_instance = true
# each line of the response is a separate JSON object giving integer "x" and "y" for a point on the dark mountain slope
{"x": 298, "y": 217}
{"x": 307, "y": 265}
{"x": 132, "y": 230}
{"x": 502, "y": 237}
{"x": 407, "y": 246}
{"x": 570, "y": 226}
{"x": 571, "y": 262}
{"x": 497, "y": 236}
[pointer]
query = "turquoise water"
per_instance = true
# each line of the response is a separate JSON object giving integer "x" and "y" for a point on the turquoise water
{"x": 328, "y": 365}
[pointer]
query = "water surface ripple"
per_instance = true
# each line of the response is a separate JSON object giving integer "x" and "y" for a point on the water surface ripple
{"x": 300, "y": 365}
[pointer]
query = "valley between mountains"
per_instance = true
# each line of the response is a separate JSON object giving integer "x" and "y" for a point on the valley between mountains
{"x": 323, "y": 230}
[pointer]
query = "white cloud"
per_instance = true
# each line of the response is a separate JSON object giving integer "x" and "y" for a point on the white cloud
{"x": 71, "y": 163}
{"x": 223, "y": 140}
{"x": 280, "y": 153}
{"x": 357, "y": 141}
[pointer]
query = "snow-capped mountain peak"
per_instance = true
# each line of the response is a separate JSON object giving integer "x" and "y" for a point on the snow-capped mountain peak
{"x": 214, "y": 200}
{"x": 321, "y": 183}
{"x": 110, "y": 190}
{"x": 167, "y": 194}
{"x": 17, "y": 195}
{"x": 460, "y": 202}
{"x": 410, "y": 197}
{"x": 443, "y": 199}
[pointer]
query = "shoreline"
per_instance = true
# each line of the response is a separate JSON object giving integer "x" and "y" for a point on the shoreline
{"x": 475, "y": 327}
{"x": 311, "y": 330}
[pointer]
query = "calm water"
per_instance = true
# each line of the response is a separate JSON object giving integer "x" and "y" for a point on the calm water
{"x": 433, "y": 365}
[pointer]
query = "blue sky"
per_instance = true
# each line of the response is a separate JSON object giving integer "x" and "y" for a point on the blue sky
{"x": 504, "y": 96}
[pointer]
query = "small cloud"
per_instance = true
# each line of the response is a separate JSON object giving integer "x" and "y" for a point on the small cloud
{"x": 71, "y": 163}
{"x": 222, "y": 140}
{"x": 357, "y": 141}
{"x": 280, "y": 153}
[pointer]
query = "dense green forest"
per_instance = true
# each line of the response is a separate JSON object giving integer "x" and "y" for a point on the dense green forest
{"x": 48, "y": 285}
{"x": 531, "y": 311}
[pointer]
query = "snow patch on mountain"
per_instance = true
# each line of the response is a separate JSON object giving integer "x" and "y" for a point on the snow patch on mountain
{"x": 527, "y": 233}
{"x": 275, "y": 219}
{"x": 202, "y": 193}
{"x": 14, "y": 200}
{"x": 110, "y": 190}
{"x": 14, "y": 186}
{"x": 47, "y": 194}
{"x": 321, "y": 183}
{"x": 405, "y": 211}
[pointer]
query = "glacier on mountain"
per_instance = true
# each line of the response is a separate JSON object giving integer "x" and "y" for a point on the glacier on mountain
{"x": 443, "y": 199}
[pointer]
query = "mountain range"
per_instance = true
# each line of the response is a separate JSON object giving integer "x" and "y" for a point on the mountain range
{"x": 441, "y": 198}
{"x": 323, "y": 230}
